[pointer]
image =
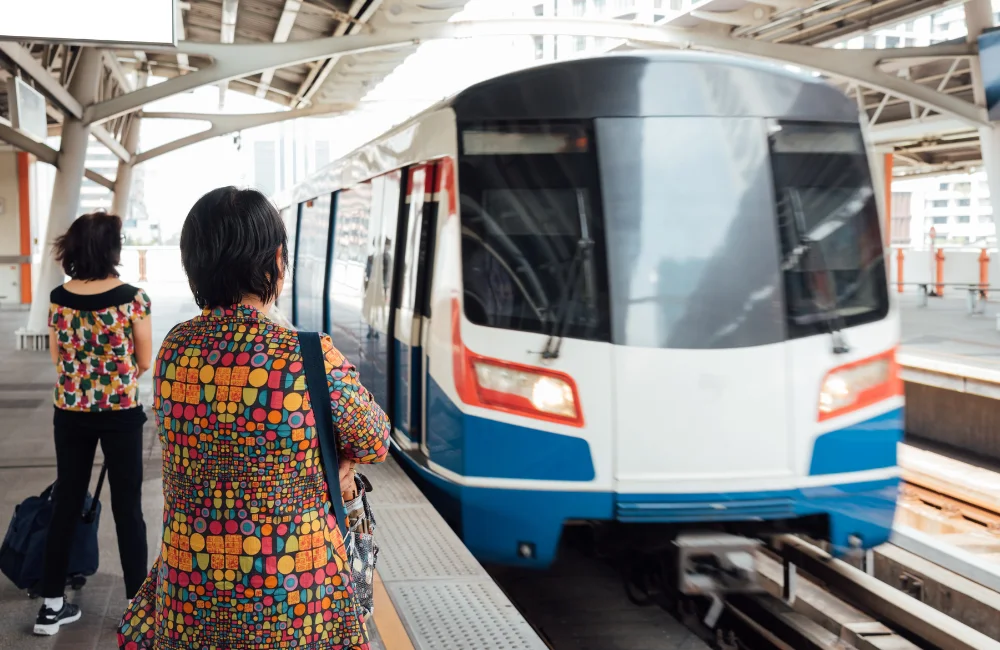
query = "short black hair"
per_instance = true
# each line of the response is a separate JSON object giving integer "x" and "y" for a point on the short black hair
{"x": 229, "y": 247}
{"x": 92, "y": 247}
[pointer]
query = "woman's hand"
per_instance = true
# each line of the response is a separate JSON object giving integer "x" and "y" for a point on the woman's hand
{"x": 347, "y": 476}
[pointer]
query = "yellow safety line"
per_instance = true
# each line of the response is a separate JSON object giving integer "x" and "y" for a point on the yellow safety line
{"x": 387, "y": 620}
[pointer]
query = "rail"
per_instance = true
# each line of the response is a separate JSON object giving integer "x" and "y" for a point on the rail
{"x": 976, "y": 294}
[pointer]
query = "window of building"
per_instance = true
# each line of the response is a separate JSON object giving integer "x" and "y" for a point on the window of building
{"x": 579, "y": 43}
{"x": 892, "y": 41}
{"x": 944, "y": 187}
{"x": 869, "y": 42}
{"x": 940, "y": 203}
{"x": 539, "y": 46}
{"x": 962, "y": 218}
{"x": 675, "y": 5}
{"x": 939, "y": 221}
{"x": 963, "y": 187}
{"x": 539, "y": 10}
{"x": 985, "y": 203}
{"x": 579, "y": 8}
{"x": 910, "y": 42}
{"x": 600, "y": 6}
{"x": 964, "y": 203}
{"x": 909, "y": 26}
{"x": 986, "y": 218}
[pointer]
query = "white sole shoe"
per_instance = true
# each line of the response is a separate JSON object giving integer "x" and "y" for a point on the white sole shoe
{"x": 51, "y": 629}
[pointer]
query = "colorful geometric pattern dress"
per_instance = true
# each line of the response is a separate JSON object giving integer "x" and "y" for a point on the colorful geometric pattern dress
{"x": 252, "y": 558}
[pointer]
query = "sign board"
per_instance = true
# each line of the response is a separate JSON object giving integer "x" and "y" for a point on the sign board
{"x": 27, "y": 110}
{"x": 989, "y": 65}
{"x": 91, "y": 22}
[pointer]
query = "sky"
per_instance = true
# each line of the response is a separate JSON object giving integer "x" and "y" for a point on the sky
{"x": 438, "y": 69}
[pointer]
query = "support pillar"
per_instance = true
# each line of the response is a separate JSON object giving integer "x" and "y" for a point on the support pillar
{"x": 65, "y": 197}
{"x": 24, "y": 222}
{"x": 123, "y": 179}
{"x": 978, "y": 18}
{"x": 887, "y": 170}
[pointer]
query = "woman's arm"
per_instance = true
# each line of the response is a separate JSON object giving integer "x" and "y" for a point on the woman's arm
{"x": 362, "y": 426}
{"x": 54, "y": 347}
{"x": 142, "y": 331}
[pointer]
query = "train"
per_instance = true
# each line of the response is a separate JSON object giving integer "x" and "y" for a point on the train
{"x": 642, "y": 291}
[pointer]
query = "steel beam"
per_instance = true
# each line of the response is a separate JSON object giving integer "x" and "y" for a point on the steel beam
{"x": 111, "y": 61}
{"x": 43, "y": 78}
{"x": 224, "y": 124}
{"x": 130, "y": 140}
{"x": 232, "y": 61}
{"x": 281, "y": 33}
{"x": 100, "y": 180}
{"x": 15, "y": 138}
{"x": 227, "y": 34}
{"x": 108, "y": 139}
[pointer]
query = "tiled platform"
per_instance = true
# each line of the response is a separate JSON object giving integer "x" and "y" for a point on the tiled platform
{"x": 431, "y": 593}
{"x": 944, "y": 330}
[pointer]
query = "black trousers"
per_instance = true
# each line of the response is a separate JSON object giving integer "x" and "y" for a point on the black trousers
{"x": 76, "y": 442}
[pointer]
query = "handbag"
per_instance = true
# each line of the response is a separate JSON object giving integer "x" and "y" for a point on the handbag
{"x": 23, "y": 550}
{"x": 359, "y": 538}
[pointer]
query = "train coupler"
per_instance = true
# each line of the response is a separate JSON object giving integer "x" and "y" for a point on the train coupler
{"x": 710, "y": 564}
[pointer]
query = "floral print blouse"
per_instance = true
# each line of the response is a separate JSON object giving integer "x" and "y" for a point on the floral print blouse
{"x": 97, "y": 367}
{"x": 251, "y": 557}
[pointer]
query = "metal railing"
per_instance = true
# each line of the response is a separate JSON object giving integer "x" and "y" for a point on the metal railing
{"x": 976, "y": 294}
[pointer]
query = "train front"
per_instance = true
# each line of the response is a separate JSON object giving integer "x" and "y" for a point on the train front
{"x": 697, "y": 240}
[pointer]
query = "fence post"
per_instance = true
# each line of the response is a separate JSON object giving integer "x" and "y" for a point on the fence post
{"x": 939, "y": 257}
{"x": 984, "y": 272}
{"x": 142, "y": 265}
{"x": 899, "y": 270}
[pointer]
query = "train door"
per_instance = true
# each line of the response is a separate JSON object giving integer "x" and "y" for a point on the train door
{"x": 312, "y": 259}
{"x": 411, "y": 276}
{"x": 376, "y": 313}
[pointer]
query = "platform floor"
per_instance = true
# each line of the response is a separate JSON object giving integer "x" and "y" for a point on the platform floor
{"x": 945, "y": 330}
{"x": 431, "y": 594}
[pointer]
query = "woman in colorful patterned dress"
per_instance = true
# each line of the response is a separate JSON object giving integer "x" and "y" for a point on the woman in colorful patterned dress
{"x": 252, "y": 558}
{"x": 100, "y": 338}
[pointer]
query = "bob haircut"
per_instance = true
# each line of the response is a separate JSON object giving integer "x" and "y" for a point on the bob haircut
{"x": 92, "y": 247}
{"x": 229, "y": 247}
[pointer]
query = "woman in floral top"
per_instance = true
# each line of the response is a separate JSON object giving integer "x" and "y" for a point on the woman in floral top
{"x": 100, "y": 339}
{"x": 252, "y": 558}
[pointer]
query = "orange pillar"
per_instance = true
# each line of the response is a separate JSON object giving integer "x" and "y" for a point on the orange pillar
{"x": 24, "y": 221}
{"x": 984, "y": 271}
{"x": 142, "y": 265}
{"x": 888, "y": 200}
{"x": 899, "y": 270}
{"x": 939, "y": 257}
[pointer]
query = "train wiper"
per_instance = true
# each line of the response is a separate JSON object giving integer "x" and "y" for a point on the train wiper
{"x": 562, "y": 315}
{"x": 809, "y": 245}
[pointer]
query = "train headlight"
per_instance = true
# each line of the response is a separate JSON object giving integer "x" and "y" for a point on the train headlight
{"x": 859, "y": 384}
{"x": 524, "y": 390}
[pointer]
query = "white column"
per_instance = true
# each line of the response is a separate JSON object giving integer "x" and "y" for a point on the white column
{"x": 65, "y": 192}
{"x": 979, "y": 17}
{"x": 123, "y": 179}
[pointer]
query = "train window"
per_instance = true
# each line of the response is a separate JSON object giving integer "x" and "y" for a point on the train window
{"x": 532, "y": 233}
{"x": 692, "y": 245}
{"x": 831, "y": 245}
{"x": 311, "y": 263}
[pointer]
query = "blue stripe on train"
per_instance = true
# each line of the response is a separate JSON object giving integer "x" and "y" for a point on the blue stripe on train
{"x": 494, "y": 522}
{"x": 474, "y": 446}
{"x": 863, "y": 446}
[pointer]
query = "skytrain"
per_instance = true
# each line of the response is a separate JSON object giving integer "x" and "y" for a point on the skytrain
{"x": 642, "y": 291}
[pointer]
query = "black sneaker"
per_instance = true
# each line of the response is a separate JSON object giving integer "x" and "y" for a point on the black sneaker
{"x": 48, "y": 620}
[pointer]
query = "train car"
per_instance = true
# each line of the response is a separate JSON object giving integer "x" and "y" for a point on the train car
{"x": 645, "y": 291}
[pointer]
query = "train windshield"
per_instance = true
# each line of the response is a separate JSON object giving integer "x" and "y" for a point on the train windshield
{"x": 529, "y": 205}
{"x": 832, "y": 255}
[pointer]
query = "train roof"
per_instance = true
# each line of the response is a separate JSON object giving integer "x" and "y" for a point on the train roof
{"x": 666, "y": 83}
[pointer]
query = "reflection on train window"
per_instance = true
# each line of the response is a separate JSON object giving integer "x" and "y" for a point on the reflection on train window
{"x": 311, "y": 265}
{"x": 532, "y": 234}
{"x": 692, "y": 244}
{"x": 828, "y": 221}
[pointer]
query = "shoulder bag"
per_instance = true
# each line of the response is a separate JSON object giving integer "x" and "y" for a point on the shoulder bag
{"x": 355, "y": 518}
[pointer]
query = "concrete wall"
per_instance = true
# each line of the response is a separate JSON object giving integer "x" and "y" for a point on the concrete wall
{"x": 10, "y": 231}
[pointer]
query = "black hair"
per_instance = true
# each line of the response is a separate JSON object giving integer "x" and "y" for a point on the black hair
{"x": 92, "y": 247}
{"x": 229, "y": 247}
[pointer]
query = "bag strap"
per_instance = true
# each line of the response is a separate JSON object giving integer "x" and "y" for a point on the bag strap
{"x": 319, "y": 398}
{"x": 92, "y": 511}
